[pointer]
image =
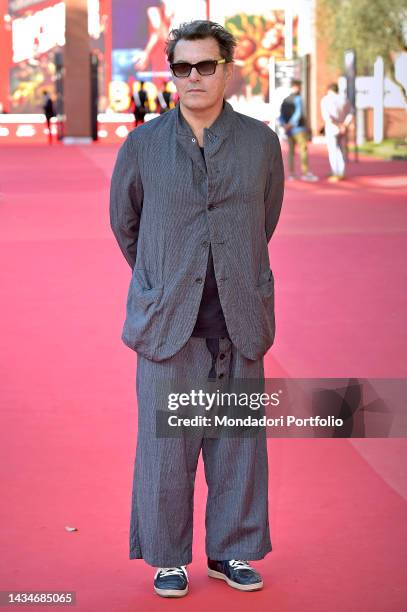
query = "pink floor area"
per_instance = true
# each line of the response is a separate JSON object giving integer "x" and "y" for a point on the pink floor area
{"x": 68, "y": 434}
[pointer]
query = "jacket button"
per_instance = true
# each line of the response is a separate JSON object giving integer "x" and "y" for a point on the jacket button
{"x": 198, "y": 280}
{"x": 205, "y": 243}
{"x": 221, "y": 375}
{"x": 222, "y": 356}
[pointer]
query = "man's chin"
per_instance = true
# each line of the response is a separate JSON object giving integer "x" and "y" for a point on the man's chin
{"x": 195, "y": 105}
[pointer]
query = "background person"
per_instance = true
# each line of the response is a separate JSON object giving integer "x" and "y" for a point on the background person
{"x": 337, "y": 115}
{"x": 293, "y": 121}
{"x": 140, "y": 104}
{"x": 49, "y": 112}
{"x": 165, "y": 101}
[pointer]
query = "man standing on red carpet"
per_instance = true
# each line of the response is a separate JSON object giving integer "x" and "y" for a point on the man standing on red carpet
{"x": 196, "y": 195}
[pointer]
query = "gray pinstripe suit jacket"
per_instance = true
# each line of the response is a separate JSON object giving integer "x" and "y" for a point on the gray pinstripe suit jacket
{"x": 165, "y": 209}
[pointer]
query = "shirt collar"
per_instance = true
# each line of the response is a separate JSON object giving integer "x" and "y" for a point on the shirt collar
{"x": 219, "y": 128}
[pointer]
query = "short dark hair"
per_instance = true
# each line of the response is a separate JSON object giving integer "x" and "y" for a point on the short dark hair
{"x": 296, "y": 82}
{"x": 333, "y": 87}
{"x": 200, "y": 29}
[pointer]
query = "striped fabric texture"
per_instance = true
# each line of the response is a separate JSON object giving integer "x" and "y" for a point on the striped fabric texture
{"x": 166, "y": 208}
{"x": 236, "y": 469}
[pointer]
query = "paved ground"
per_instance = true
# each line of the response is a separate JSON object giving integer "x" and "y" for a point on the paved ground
{"x": 338, "y": 507}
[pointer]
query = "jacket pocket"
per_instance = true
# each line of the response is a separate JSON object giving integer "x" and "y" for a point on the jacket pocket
{"x": 265, "y": 287}
{"x": 143, "y": 312}
{"x": 144, "y": 297}
{"x": 142, "y": 286}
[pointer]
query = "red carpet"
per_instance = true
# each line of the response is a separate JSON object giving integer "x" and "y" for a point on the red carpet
{"x": 338, "y": 507}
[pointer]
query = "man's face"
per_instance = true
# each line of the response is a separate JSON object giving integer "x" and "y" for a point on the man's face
{"x": 198, "y": 92}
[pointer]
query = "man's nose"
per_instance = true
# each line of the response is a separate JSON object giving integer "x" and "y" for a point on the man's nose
{"x": 194, "y": 76}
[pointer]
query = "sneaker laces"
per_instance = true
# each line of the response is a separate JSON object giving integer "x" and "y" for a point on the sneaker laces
{"x": 172, "y": 571}
{"x": 238, "y": 564}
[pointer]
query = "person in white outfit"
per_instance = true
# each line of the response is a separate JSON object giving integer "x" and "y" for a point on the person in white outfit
{"x": 337, "y": 115}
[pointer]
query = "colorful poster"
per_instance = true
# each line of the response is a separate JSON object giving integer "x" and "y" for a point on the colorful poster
{"x": 37, "y": 36}
{"x": 28, "y": 80}
{"x": 140, "y": 31}
{"x": 259, "y": 38}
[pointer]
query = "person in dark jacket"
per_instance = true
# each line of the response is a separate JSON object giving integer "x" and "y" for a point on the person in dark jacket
{"x": 165, "y": 99}
{"x": 293, "y": 121}
{"x": 196, "y": 195}
{"x": 49, "y": 112}
{"x": 140, "y": 104}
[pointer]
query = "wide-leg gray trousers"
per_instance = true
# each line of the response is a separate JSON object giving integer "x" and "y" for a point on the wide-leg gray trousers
{"x": 236, "y": 470}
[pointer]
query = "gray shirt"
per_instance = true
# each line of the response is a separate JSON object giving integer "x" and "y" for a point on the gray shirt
{"x": 167, "y": 207}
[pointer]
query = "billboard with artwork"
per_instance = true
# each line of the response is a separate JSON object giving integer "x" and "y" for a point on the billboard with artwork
{"x": 266, "y": 32}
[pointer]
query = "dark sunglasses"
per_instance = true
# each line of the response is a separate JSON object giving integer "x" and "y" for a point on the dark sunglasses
{"x": 205, "y": 68}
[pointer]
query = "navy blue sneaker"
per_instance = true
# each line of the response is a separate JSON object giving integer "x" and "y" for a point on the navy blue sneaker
{"x": 238, "y": 574}
{"x": 171, "y": 581}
